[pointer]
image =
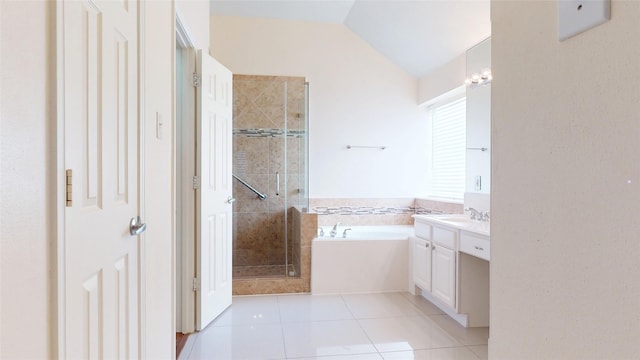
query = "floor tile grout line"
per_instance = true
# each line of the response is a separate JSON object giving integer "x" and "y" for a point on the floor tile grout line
{"x": 432, "y": 317}
{"x": 368, "y": 337}
{"x": 284, "y": 341}
{"x": 468, "y": 347}
{"x": 430, "y": 349}
{"x": 334, "y": 356}
{"x": 362, "y": 328}
{"x": 415, "y": 306}
{"x": 441, "y": 327}
{"x": 348, "y": 307}
{"x": 395, "y": 307}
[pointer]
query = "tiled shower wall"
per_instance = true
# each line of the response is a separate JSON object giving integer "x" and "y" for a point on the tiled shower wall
{"x": 303, "y": 231}
{"x": 261, "y": 105}
{"x": 385, "y": 211}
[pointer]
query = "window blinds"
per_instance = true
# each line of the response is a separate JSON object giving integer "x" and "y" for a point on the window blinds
{"x": 449, "y": 149}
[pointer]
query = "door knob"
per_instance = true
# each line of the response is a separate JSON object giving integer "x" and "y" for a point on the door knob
{"x": 231, "y": 200}
{"x": 136, "y": 226}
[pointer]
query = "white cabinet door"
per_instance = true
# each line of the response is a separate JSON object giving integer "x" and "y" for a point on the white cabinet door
{"x": 443, "y": 281}
{"x": 422, "y": 263}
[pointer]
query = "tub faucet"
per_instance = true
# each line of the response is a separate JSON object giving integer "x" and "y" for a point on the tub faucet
{"x": 334, "y": 231}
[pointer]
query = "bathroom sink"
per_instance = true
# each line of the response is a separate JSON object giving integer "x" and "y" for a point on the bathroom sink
{"x": 458, "y": 221}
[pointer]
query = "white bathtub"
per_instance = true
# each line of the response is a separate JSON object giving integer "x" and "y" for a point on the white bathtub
{"x": 369, "y": 259}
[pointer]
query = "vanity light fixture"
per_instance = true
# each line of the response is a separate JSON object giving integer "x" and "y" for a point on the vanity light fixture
{"x": 478, "y": 79}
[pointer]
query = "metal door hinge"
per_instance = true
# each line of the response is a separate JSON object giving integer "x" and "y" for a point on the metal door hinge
{"x": 195, "y": 285}
{"x": 196, "y": 80}
{"x": 69, "y": 187}
{"x": 196, "y": 183}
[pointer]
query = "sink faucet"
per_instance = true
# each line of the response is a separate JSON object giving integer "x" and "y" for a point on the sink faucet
{"x": 334, "y": 231}
{"x": 344, "y": 233}
{"x": 477, "y": 215}
{"x": 474, "y": 214}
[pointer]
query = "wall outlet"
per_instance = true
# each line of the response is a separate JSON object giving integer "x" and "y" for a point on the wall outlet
{"x": 576, "y": 16}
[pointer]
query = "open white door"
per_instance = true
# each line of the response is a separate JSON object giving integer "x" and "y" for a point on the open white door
{"x": 99, "y": 261}
{"x": 213, "y": 196}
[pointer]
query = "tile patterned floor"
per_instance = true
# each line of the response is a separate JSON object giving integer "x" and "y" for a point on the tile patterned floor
{"x": 336, "y": 327}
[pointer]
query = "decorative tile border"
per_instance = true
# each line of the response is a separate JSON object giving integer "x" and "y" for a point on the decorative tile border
{"x": 424, "y": 211}
{"x": 268, "y": 133}
{"x": 367, "y": 210}
{"x": 377, "y": 211}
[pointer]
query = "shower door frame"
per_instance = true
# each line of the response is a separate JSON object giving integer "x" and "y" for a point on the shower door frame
{"x": 291, "y": 256}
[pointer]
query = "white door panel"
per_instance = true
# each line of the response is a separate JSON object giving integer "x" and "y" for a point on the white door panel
{"x": 213, "y": 205}
{"x": 101, "y": 259}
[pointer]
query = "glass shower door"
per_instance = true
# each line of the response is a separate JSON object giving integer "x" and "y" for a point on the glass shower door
{"x": 269, "y": 127}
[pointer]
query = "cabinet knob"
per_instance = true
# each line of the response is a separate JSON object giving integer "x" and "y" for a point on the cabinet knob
{"x": 479, "y": 248}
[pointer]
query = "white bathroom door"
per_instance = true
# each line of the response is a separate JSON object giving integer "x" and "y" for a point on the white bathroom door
{"x": 99, "y": 261}
{"x": 214, "y": 194}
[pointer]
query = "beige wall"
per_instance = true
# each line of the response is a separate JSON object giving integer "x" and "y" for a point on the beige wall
{"x": 27, "y": 173}
{"x": 195, "y": 17}
{"x": 444, "y": 79}
{"x": 566, "y": 185}
{"x": 357, "y": 97}
{"x": 158, "y": 67}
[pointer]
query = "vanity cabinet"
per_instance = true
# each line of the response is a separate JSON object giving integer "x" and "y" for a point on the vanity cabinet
{"x": 451, "y": 266}
{"x": 422, "y": 263}
{"x": 475, "y": 245}
{"x": 434, "y": 262}
{"x": 443, "y": 264}
{"x": 443, "y": 280}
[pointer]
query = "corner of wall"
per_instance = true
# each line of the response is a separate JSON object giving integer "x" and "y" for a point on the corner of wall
{"x": 196, "y": 19}
{"x": 443, "y": 80}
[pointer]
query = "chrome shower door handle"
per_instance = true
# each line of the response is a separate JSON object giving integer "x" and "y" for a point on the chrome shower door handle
{"x": 136, "y": 226}
{"x": 277, "y": 183}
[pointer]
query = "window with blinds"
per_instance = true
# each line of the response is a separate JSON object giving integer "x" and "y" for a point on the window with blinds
{"x": 449, "y": 149}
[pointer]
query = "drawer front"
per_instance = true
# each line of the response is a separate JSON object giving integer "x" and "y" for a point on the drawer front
{"x": 476, "y": 246}
{"x": 422, "y": 230}
{"x": 445, "y": 237}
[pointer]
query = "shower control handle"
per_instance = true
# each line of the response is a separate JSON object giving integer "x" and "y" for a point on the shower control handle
{"x": 277, "y": 184}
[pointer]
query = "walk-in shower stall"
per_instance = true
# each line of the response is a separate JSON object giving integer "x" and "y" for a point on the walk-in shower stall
{"x": 270, "y": 167}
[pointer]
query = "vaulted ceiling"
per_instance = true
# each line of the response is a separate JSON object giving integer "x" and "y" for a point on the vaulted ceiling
{"x": 419, "y": 35}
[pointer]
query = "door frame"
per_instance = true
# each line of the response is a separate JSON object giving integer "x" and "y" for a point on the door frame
{"x": 59, "y": 327}
{"x": 59, "y": 285}
{"x": 58, "y": 306}
{"x": 185, "y": 97}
